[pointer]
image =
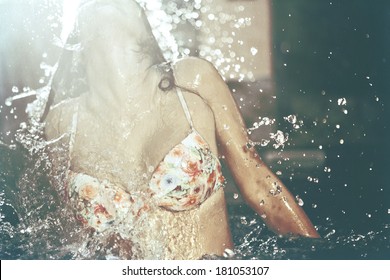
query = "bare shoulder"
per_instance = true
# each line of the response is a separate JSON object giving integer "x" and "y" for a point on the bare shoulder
{"x": 193, "y": 70}
{"x": 202, "y": 77}
{"x": 193, "y": 62}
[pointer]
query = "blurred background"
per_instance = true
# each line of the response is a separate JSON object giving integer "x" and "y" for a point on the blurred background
{"x": 310, "y": 77}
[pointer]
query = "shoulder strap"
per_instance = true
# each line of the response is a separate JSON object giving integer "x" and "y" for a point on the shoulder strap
{"x": 184, "y": 106}
{"x": 72, "y": 137}
{"x": 73, "y": 130}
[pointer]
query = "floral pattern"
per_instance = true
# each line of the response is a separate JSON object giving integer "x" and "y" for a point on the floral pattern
{"x": 187, "y": 176}
{"x": 100, "y": 204}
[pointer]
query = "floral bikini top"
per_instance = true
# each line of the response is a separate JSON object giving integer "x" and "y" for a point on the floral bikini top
{"x": 186, "y": 177}
{"x": 188, "y": 174}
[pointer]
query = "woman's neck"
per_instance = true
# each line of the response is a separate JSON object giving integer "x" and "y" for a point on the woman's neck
{"x": 115, "y": 65}
{"x": 120, "y": 94}
{"x": 116, "y": 61}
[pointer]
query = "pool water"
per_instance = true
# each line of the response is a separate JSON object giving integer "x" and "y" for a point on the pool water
{"x": 254, "y": 241}
{"x": 36, "y": 223}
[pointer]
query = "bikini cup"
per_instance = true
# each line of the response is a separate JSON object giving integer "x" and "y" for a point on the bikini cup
{"x": 188, "y": 174}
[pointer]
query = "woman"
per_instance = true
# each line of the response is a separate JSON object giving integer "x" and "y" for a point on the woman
{"x": 143, "y": 144}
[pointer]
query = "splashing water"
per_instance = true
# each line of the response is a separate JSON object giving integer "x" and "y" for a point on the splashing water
{"x": 42, "y": 224}
{"x": 37, "y": 223}
{"x": 280, "y": 138}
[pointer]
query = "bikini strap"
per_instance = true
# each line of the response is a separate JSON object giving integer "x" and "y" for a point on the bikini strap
{"x": 72, "y": 137}
{"x": 73, "y": 130}
{"x": 184, "y": 106}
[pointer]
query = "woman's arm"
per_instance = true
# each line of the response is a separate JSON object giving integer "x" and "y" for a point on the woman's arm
{"x": 262, "y": 190}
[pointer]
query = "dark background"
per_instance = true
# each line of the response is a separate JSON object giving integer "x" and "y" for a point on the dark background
{"x": 338, "y": 49}
{"x": 325, "y": 53}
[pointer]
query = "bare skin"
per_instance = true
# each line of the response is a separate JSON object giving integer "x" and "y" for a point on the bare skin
{"x": 256, "y": 181}
{"x": 124, "y": 117}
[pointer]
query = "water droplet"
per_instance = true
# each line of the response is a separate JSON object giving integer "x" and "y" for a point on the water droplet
{"x": 8, "y": 102}
{"x": 226, "y": 127}
{"x": 262, "y": 202}
{"x": 228, "y": 253}
{"x": 276, "y": 189}
{"x": 23, "y": 125}
{"x": 291, "y": 119}
{"x": 280, "y": 138}
{"x": 342, "y": 101}
{"x": 341, "y": 141}
{"x": 299, "y": 200}
{"x": 250, "y": 145}
{"x": 235, "y": 196}
{"x": 254, "y": 51}
{"x": 264, "y": 216}
{"x": 267, "y": 121}
{"x": 264, "y": 142}
{"x": 15, "y": 89}
{"x": 333, "y": 231}
{"x": 314, "y": 205}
